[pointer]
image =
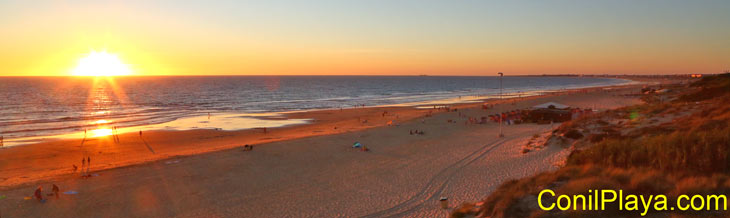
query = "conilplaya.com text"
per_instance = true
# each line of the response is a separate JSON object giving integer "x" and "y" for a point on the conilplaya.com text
{"x": 608, "y": 199}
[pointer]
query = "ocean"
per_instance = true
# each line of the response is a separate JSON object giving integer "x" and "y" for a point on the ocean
{"x": 36, "y": 108}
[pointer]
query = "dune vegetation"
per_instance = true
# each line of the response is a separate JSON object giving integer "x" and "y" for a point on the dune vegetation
{"x": 677, "y": 143}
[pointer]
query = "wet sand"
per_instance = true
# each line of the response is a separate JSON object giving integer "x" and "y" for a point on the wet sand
{"x": 300, "y": 171}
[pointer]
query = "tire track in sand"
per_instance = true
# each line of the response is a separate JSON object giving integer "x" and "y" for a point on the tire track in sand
{"x": 437, "y": 183}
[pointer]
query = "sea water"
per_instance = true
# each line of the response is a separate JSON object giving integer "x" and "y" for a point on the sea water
{"x": 35, "y": 108}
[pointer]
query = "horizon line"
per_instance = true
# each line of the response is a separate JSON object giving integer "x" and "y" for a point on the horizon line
{"x": 386, "y": 75}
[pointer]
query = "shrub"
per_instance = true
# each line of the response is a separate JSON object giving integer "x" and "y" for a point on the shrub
{"x": 573, "y": 134}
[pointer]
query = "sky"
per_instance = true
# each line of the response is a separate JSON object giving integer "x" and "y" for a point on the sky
{"x": 368, "y": 37}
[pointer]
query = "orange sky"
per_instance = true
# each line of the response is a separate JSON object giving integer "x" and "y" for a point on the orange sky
{"x": 369, "y": 37}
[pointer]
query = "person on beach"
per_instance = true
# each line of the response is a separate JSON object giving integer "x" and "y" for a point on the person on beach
{"x": 39, "y": 194}
{"x": 55, "y": 190}
{"x": 140, "y": 133}
{"x": 116, "y": 134}
{"x": 83, "y": 165}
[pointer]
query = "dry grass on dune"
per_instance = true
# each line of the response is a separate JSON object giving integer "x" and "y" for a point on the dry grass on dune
{"x": 709, "y": 88}
{"x": 704, "y": 151}
{"x": 517, "y": 198}
{"x": 688, "y": 154}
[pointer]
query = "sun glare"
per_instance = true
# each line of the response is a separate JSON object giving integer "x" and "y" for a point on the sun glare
{"x": 101, "y": 132}
{"x": 100, "y": 122}
{"x": 101, "y": 64}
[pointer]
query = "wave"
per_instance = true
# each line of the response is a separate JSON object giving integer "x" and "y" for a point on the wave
{"x": 59, "y": 111}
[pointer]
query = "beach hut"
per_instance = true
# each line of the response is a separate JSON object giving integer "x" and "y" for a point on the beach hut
{"x": 551, "y": 105}
{"x": 550, "y": 111}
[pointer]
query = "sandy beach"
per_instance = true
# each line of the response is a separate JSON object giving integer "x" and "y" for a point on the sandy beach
{"x": 297, "y": 171}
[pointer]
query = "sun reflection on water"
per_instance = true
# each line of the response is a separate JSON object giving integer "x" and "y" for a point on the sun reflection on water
{"x": 99, "y": 112}
{"x": 101, "y": 132}
{"x": 100, "y": 122}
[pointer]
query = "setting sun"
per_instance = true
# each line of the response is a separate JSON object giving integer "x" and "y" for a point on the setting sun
{"x": 101, "y": 64}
